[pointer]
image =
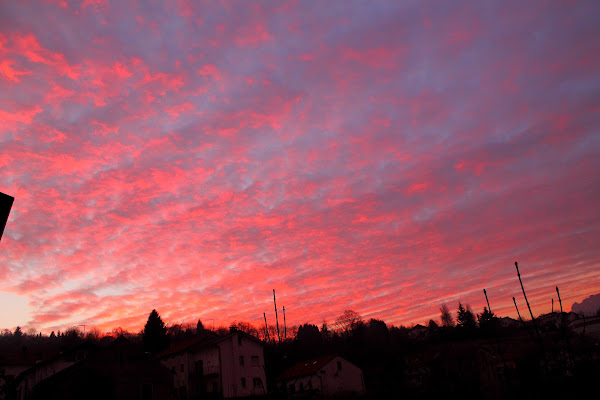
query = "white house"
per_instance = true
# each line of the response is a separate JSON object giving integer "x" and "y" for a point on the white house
{"x": 229, "y": 366}
{"x": 327, "y": 376}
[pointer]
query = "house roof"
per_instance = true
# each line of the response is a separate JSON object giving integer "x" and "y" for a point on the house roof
{"x": 200, "y": 342}
{"x": 86, "y": 345}
{"x": 305, "y": 368}
{"x": 189, "y": 344}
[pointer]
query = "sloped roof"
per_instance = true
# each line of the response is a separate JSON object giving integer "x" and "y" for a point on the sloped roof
{"x": 193, "y": 343}
{"x": 68, "y": 353}
{"x": 201, "y": 342}
{"x": 306, "y": 368}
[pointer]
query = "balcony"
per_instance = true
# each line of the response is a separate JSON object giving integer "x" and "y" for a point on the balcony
{"x": 205, "y": 372}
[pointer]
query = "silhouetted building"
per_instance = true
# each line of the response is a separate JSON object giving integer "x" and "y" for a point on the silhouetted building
{"x": 507, "y": 322}
{"x": 120, "y": 371}
{"x": 418, "y": 332}
{"x": 217, "y": 366}
{"x": 323, "y": 377}
{"x": 44, "y": 369}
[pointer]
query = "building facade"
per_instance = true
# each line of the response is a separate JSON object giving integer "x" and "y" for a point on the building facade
{"x": 323, "y": 377}
{"x": 211, "y": 366}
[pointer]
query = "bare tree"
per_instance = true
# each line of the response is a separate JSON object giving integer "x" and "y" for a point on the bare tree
{"x": 94, "y": 334}
{"x": 246, "y": 327}
{"x": 348, "y": 322}
{"x": 447, "y": 319}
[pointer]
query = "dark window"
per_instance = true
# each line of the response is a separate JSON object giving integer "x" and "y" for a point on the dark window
{"x": 199, "y": 367}
{"x": 257, "y": 383}
{"x": 254, "y": 361}
{"x": 301, "y": 387}
{"x": 292, "y": 388}
{"x": 339, "y": 365}
{"x": 173, "y": 369}
{"x": 309, "y": 384}
{"x": 181, "y": 368}
{"x": 243, "y": 382}
{"x": 146, "y": 391}
{"x": 242, "y": 361}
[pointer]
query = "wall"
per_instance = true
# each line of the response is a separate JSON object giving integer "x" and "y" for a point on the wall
{"x": 233, "y": 372}
{"x": 345, "y": 381}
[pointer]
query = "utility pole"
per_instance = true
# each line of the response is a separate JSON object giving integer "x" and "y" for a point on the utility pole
{"x": 559, "y": 300}
{"x": 284, "y": 325}
{"x": 515, "y": 301}
{"x": 488, "y": 302}
{"x": 266, "y": 328}
{"x": 524, "y": 295}
{"x": 276, "y": 317}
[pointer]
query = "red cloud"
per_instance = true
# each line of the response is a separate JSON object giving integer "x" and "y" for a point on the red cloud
{"x": 348, "y": 163}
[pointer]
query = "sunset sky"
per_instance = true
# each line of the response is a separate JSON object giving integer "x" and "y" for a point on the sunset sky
{"x": 384, "y": 157}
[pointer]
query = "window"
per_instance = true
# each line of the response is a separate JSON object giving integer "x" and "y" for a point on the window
{"x": 242, "y": 361}
{"x": 199, "y": 367}
{"x": 257, "y": 382}
{"x": 254, "y": 361}
{"x": 339, "y": 365}
{"x": 301, "y": 387}
{"x": 243, "y": 381}
{"x": 173, "y": 370}
{"x": 181, "y": 368}
{"x": 292, "y": 388}
{"x": 146, "y": 391}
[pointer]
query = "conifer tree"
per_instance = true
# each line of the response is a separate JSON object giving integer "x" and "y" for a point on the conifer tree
{"x": 199, "y": 327}
{"x": 465, "y": 317}
{"x": 18, "y": 332}
{"x": 155, "y": 336}
{"x": 487, "y": 319}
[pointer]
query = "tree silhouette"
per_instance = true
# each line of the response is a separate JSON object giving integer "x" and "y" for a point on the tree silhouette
{"x": 433, "y": 325}
{"x": 447, "y": 320}
{"x": 487, "y": 319}
{"x": 199, "y": 327}
{"x": 155, "y": 336}
{"x": 465, "y": 317}
{"x": 308, "y": 334}
{"x": 18, "y": 332}
{"x": 349, "y": 322}
{"x": 325, "y": 331}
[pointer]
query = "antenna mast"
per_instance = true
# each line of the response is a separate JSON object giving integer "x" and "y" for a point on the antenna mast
{"x": 276, "y": 317}
{"x": 284, "y": 325}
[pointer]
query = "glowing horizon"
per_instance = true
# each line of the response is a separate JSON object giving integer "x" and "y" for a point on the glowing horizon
{"x": 383, "y": 157}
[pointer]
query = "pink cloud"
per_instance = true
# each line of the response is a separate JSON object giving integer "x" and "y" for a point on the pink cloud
{"x": 385, "y": 160}
{"x": 9, "y": 72}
